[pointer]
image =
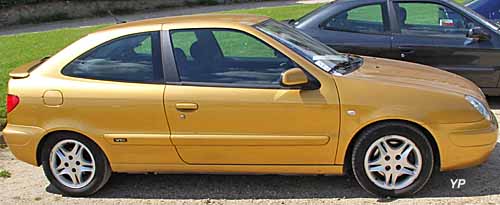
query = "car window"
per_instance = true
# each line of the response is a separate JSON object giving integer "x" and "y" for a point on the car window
{"x": 364, "y": 19}
{"x": 431, "y": 19}
{"x": 188, "y": 38}
{"x": 132, "y": 58}
{"x": 227, "y": 57}
{"x": 236, "y": 44}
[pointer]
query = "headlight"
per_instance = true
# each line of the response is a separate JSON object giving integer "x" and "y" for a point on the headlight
{"x": 479, "y": 106}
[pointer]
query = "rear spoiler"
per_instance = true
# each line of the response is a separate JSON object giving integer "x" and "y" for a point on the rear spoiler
{"x": 24, "y": 70}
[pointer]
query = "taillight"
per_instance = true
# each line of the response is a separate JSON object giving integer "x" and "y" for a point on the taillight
{"x": 12, "y": 102}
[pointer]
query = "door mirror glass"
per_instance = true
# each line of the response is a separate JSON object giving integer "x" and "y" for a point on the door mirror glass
{"x": 294, "y": 77}
{"x": 477, "y": 33}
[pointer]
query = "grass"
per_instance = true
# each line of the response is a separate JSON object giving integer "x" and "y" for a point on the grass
{"x": 5, "y": 174}
{"x": 280, "y": 13}
{"x": 20, "y": 49}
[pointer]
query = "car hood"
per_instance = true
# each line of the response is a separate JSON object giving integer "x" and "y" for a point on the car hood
{"x": 415, "y": 75}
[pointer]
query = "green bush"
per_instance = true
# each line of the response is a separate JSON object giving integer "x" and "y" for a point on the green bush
{"x": 40, "y": 19}
{"x": 3, "y": 123}
{"x": 11, "y": 3}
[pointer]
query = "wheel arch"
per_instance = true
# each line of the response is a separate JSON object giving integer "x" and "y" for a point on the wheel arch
{"x": 42, "y": 141}
{"x": 427, "y": 133}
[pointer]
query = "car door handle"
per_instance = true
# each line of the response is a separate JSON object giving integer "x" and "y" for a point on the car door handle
{"x": 186, "y": 106}
{"x": 406, "y": 51}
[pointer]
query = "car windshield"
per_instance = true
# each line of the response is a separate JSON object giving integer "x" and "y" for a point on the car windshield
{"x": 310, "y": 14}
{"x": 316, "y": 52}
{"x": 480, "y": 17}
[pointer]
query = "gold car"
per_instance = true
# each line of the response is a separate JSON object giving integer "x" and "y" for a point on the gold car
{"x": 239, "y": 94}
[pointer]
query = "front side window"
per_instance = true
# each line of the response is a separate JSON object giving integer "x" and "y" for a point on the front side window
{"x": 132, "y": 58}
{"x": 431, "y": 19}
{"x": 229, "y": 57}
{"x": 364, "y": 19}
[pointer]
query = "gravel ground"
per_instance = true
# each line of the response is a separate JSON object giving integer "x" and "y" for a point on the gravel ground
{"x": 28, "y": 185}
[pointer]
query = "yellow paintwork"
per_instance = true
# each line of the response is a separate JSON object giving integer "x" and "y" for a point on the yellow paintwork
{"x": 190, "y": 129}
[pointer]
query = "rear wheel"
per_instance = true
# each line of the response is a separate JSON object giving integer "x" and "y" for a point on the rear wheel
{"x": 392, "y": 159}
{"x": 75, "y": 165}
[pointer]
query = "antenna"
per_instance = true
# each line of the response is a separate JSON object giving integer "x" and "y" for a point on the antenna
{"x": 117, "y": 20}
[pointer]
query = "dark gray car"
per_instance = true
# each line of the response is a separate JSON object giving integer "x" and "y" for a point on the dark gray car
{"x": 439, "y": 33}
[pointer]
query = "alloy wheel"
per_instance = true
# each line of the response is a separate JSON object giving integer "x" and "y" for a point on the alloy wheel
{"x": 72, "y": 163}
{"x": 393, "y": 162}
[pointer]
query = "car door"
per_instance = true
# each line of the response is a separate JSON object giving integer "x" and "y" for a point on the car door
{"x": 228, "y": 106}
{"x": 435, "y": 34}
{"x": 362, "y": 30}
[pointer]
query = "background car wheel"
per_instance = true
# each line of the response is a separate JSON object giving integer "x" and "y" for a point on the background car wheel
{"x": 392, "y": 159}
{"x": 75, "y": 165}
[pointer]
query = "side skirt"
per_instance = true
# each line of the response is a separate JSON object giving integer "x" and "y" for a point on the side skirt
{"x": 230, "y": 169}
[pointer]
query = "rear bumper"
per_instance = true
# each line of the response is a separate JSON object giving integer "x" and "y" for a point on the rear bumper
{"x": 466, "y": 144}
{"x": 23, "y": 141}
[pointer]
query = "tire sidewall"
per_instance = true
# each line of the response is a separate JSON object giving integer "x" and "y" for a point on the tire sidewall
{"x": 101, "y": 163}
{"x": 413, "y": 134}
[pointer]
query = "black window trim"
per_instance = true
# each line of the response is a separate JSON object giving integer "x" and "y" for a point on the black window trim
{"x": 172, "y": 69}
{"x": 385, "y": 20}
{"x": 398, "y": 26}
{"x": 154, "y": 46}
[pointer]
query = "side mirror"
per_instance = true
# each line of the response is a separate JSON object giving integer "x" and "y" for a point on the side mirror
{"x": 294, "y": 77}
{"x": 478, "y": 34}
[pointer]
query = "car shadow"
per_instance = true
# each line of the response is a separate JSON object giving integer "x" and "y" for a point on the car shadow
{"x": 480, "y": 181}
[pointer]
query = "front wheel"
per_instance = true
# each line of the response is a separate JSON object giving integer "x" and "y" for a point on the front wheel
{"x": 392, "y": 159}
{"x": 75, "y": 165}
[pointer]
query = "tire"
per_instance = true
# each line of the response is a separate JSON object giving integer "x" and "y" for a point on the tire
{"x": 404, "y": 144}
{"x": 88, "y": 159}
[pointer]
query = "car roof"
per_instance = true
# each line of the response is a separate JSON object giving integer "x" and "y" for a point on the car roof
{"x": 206, "y": 19}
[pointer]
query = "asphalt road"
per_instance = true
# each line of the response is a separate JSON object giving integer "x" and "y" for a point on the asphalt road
{"x": 28, "y": 185}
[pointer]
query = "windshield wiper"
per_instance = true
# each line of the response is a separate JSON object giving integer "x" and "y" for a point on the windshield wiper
{"x": 351, "y": 64}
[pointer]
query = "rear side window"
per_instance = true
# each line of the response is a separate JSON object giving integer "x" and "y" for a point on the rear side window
{"x": 364, "y": 19}
{"x": 134, "y": 58}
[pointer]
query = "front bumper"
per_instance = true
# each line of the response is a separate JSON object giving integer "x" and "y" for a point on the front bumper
{"x": 465, "y": 144}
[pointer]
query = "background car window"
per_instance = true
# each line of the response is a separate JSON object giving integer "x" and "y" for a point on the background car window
{"x": 365, "y": 19}
{"x": 227, "y": 57}
{"x": 129, "y": 59}
{"x": 431, "y": 19}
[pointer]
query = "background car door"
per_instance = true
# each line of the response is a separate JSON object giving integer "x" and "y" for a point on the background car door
{"x": 362, "y": 30}
{"x": 435, "y": 34}
{"x": 229, "y": 106}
